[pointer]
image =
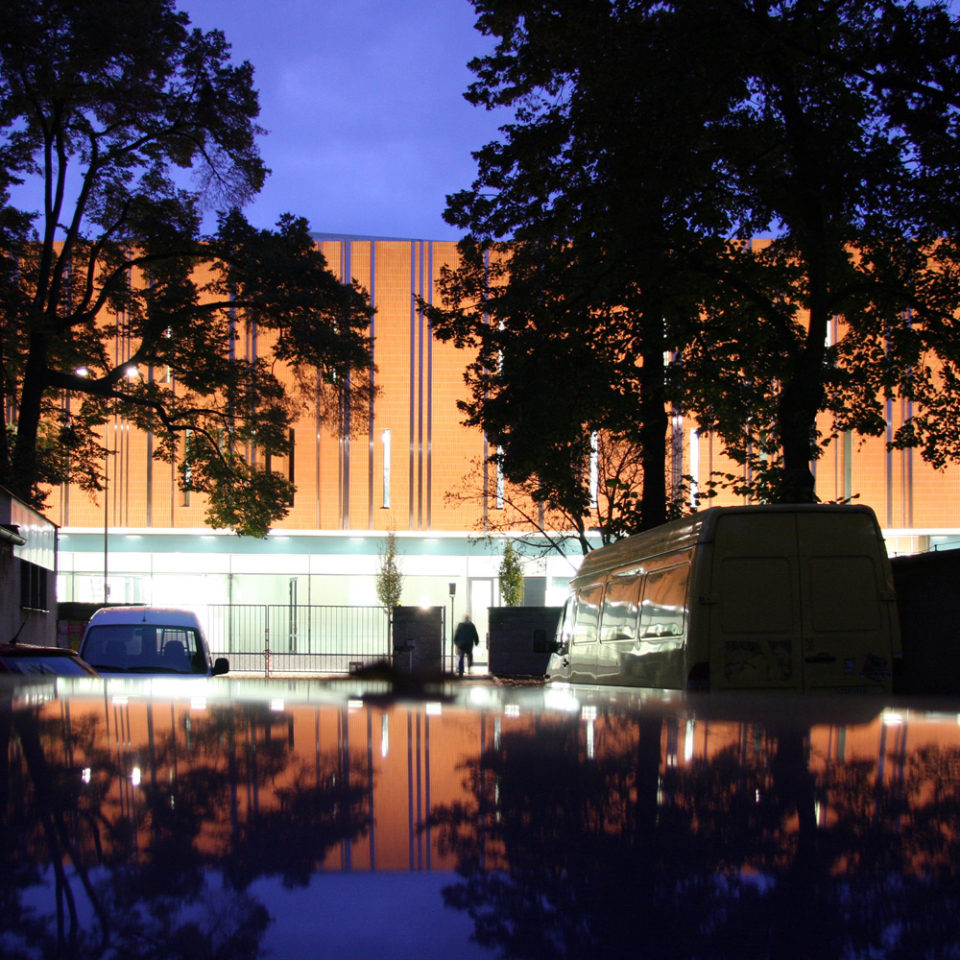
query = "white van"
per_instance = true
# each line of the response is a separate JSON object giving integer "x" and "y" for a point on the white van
{"x": 148, "y": 641}
{"x": 795, "y": 597}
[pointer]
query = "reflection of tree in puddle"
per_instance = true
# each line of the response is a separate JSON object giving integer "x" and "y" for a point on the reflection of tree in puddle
{"x": 150, "y": 850}
{"x": 746, "y": 853}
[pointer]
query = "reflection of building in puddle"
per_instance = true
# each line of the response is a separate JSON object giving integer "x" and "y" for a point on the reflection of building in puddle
{"x": 563, "y": 812}
{"x": 362, "y": 778}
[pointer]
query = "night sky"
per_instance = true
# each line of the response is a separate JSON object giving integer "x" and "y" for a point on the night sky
{"x": 368, "y": 130}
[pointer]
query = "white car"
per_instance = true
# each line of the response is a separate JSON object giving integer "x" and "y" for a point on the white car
{"x": 145, "y": 641}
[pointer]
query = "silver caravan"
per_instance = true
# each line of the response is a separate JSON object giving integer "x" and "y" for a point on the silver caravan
{"x": 796, "y": 597}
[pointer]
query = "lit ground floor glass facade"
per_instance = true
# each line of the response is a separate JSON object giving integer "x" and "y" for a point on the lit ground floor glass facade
{"x": 203, "y": 568}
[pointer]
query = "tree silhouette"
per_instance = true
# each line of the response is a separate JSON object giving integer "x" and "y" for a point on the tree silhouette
{"x": 115, "y": 302}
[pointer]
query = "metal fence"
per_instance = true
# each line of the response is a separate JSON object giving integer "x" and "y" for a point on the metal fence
{"x": 280, "y": 638}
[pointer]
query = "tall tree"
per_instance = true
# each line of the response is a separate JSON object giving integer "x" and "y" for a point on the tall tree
{"x": 826, "y": 317}
{"x": 586, "y": 224}
{"x": 914, "y": 68}
{"x": 648, "y": 136}
{"x": 120, "y": 128}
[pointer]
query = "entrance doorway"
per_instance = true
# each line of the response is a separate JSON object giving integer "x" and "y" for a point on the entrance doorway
{"x": 482, "y": 597}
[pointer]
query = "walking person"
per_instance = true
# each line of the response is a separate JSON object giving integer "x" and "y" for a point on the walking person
{"x": 465, "y": 639}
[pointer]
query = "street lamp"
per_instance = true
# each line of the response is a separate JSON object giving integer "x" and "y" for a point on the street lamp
{"x": 106, "y": 506}
{"x": 130, "y": 372}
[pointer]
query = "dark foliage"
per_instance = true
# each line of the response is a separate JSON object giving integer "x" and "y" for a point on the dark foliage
{"x": 120, "y": 128}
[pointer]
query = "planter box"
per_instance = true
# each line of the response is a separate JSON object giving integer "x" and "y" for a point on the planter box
{"x": 418, "y": 640}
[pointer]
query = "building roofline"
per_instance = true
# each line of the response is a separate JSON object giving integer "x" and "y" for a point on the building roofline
{"x": 372, "y": 238}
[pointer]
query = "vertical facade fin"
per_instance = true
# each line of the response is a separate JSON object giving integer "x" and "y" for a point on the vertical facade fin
{"x": 428, "y": 297}
{"x": 420, "y": 389}
{"x": 412, "y": 392}
{"x": 345, "y": 425}
{"x": 371, "y": 444}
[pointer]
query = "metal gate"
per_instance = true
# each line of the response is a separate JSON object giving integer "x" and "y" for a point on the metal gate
{"x": 280, "y": 638}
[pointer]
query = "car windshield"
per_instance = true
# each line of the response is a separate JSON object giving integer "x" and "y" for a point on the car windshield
{"x": 143, "y": 648}
{"x": 59, "y": 665}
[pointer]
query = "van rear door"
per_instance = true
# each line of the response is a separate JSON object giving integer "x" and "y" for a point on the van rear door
{"x": 753, "y": 600}
{"x": 849, "y": 606}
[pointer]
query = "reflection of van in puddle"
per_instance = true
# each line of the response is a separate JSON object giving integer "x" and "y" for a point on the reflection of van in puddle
{"x": 795, "y": 597}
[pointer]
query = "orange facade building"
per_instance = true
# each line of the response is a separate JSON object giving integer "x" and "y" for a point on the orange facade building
{"x": 393, "y": 467}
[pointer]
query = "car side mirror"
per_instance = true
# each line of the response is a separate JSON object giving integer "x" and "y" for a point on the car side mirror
{"x": 221, "y": 666}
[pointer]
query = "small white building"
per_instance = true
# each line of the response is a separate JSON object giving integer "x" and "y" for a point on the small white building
{"x": 28, "y": 571}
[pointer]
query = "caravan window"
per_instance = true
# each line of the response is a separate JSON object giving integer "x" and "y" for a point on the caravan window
{"x": 663, "y": 610}
{"x": 588, "y": 609}
{"x": 621, "y": 602}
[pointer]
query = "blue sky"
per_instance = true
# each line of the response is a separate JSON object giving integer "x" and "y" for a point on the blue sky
{"x": 363, "y": 101}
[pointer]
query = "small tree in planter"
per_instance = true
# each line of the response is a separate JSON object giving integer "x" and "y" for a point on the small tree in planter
{"x": 511, "y": 577}
{"x": 389, "y": 578}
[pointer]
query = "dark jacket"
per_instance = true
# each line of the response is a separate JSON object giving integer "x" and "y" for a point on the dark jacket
{"x": 466, "y": 636}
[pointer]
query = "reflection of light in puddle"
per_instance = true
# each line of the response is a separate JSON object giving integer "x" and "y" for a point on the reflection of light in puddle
{"x": 562, "y": 699}
{"x": 511, "y": 710}
{"x": 891, "y": 718}
{"x": 434, "y": 709}
{"x": 588, "y": 713}
{"x": 480, "y": 696}
{"x": 276, "y": 705}
{"x": 688, "y": 743}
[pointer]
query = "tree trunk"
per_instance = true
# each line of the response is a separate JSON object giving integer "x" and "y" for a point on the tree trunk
{"x": 23, "y": 465}
{"x": 797, "y": 417}
{"x": 802, "y": 396}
